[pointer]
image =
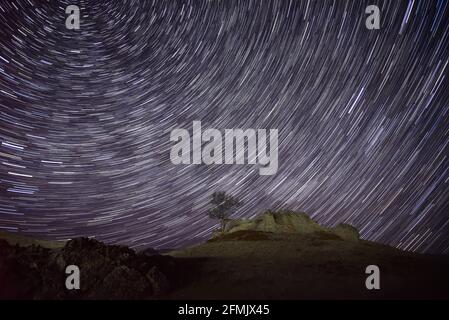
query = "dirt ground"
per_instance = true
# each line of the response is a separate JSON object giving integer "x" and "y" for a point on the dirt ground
{"x": 255, "y": 265}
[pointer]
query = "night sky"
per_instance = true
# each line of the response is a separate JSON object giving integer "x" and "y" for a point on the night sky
{"x": 86, "y": 116}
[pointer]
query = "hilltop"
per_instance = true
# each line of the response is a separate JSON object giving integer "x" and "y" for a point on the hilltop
{"x": 287, "y": 255}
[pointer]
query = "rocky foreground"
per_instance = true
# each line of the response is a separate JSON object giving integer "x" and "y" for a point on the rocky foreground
{"x": 107, "y": 272}
{"x": 279, "y": 255}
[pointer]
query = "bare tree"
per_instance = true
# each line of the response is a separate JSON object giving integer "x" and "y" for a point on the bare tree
{"x": 223, "y": 205}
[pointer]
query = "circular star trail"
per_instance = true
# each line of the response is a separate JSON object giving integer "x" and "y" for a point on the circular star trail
{"x": 86, "y": 116}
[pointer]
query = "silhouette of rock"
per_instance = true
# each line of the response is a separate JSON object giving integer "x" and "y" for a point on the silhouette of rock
{"x": 106, "y": 271}
{"x": 149, "y": 252}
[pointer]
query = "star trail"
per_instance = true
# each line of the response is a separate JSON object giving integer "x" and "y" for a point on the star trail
{"x": 86, "y": 116}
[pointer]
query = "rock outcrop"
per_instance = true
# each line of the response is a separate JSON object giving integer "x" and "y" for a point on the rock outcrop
{"x": 107, "y": 272}
{"x": 286, "y": 221}
{"x": 277, "y": 222}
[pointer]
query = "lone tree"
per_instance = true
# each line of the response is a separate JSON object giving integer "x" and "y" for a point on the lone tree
{"x": 223, "y": 206}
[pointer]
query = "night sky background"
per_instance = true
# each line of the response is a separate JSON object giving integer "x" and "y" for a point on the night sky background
{"x": 86, "y": 116}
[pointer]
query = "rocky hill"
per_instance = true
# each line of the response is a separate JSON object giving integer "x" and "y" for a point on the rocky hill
{"x": 107, "y": 271}
{"x": 287, "y": 255}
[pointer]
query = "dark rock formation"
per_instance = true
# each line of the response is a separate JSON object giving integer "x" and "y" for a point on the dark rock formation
{"x": 107, "y": 272}
{"x": 149, "y": 252}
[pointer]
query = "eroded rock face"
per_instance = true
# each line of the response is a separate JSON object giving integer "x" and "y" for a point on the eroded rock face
{"x": 276, "y": 222}
{"x": 107, "y": 272}
{"x": 286, "y": 221}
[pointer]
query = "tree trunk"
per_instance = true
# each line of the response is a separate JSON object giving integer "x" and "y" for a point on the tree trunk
{"x": 223, "y": 225}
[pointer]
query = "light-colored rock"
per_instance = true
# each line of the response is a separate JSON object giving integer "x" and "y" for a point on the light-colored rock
{"x": 276, "y": 222}
{"x": 286, "y": 221}
{"x": 240, "y": 224}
